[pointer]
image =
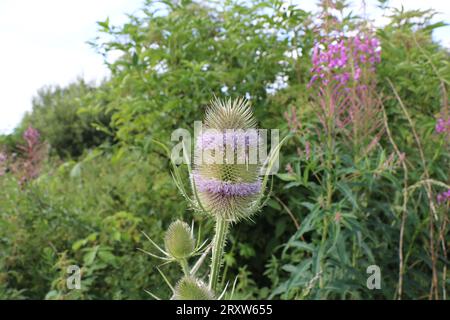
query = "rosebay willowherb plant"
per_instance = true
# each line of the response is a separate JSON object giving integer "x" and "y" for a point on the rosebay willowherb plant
{"x": 32, "y": 156}
{"x": 228, "y": 180}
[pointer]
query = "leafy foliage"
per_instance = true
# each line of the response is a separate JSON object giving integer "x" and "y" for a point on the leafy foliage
{"x": 70, "y": 119}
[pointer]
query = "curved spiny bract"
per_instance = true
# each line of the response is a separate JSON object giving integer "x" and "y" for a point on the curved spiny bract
{"x": 190, "y": 288}
{"x": 230, "y": 114}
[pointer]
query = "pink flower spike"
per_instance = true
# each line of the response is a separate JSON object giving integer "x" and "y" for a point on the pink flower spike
{"x": 442, "y": 125}
{"x": 31, "y": 136}
{"x": 226, "y": 188}
{"x": 443, "y": 197}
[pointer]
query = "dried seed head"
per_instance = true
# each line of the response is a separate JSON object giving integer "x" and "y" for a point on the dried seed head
{"x": 179, "y": 241}
{"x": 190, "y": 288}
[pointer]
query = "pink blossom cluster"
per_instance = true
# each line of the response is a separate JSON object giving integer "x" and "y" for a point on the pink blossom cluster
{"x": 31, "y": 136}
{"x": 443, "y": 126}
{"x": 343, "y": 59}
{"x": 3, "y": 158}
{"x": 444, "y": 196}
{"x": 32, "y": 155}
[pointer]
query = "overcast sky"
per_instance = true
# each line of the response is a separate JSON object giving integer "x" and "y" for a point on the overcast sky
{"x": 44, "y": 42}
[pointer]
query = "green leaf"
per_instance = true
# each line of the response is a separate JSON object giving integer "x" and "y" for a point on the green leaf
{"x": 287, "y": 176}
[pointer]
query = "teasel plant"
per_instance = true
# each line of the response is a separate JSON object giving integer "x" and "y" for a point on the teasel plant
{"x": 229, "y": 182}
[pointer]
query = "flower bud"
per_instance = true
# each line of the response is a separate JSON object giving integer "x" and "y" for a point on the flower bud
{"x": 190, "y": 288}
{"x": 179, "y": 241}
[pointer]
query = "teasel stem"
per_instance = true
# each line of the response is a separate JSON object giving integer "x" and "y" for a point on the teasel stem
{"x": 217, "y": 252}
{"x": 185, "y": 267}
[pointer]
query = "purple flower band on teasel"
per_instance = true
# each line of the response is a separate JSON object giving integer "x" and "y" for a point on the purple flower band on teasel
{"x": 338, "y": 56}
{"x": 216, "y": 139}
{"x": 226, "y": 188}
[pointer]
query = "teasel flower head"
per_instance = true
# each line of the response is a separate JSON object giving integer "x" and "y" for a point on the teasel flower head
{"x": 179, "y": 240}
{"x": 190, "y": 288}
{"x": 227, "y": 171}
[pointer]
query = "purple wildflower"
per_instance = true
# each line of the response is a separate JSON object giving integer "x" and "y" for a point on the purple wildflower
{"x": 3, "y": 158}
{"x": 357, "y": 73}
{"x": 444, "y": 196}
{"x": 289, "y": 168}
{"x": 443, "y": 126}
{"x": 31, "y": 151}
{"x": 31, "y": 136}
{"x": 337, "y": 57}
{"x": 307, "y": 150}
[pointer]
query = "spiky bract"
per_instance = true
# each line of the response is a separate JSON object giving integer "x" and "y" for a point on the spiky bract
{"x": 190, "y": 288}
{"x": 179, "y": 241}
{"x": 229, "y": 114}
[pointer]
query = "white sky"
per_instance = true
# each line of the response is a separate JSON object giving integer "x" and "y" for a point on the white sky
{"x": 44, "y": 42}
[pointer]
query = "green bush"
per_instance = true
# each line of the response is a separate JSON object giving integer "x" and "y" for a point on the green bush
{"x": 71, "y": 119}
{"x": 90, "y": 214}
{"x": 171, "y": 65}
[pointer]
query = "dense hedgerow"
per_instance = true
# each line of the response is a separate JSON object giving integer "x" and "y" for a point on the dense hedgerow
{"x": 71, "y": 119}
